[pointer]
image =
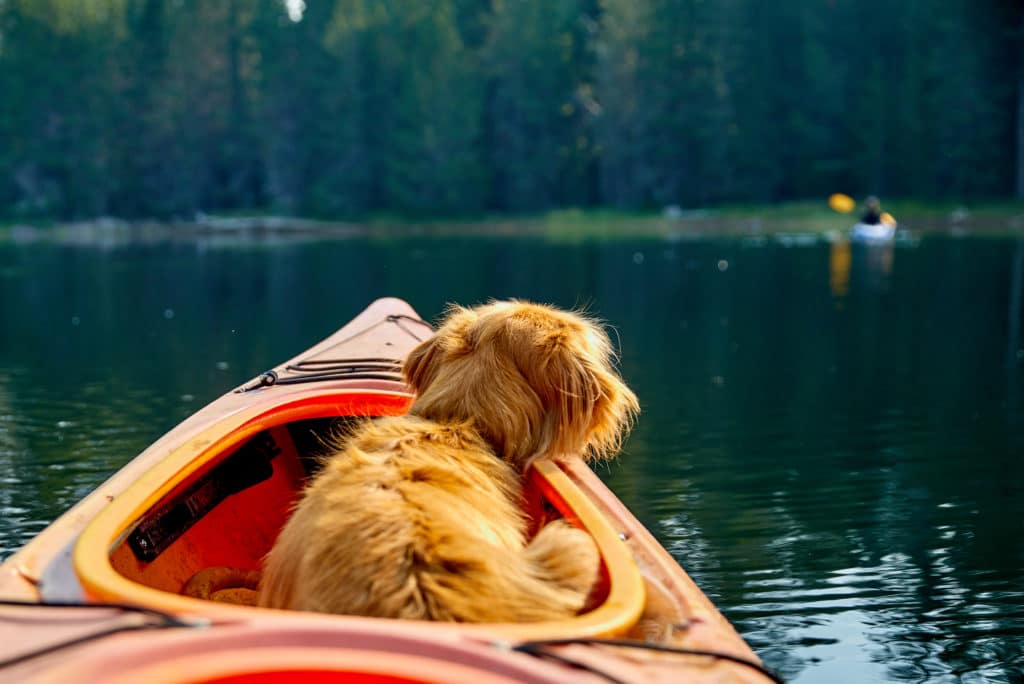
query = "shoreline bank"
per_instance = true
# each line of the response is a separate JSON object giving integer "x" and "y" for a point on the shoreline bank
{"x": 806, "y": 218}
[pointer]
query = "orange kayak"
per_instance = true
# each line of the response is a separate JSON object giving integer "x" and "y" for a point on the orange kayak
{"x": 98, "y": 594}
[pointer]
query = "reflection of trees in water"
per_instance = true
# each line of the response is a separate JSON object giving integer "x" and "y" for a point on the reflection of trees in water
{"x": 1014, "y": 348}
{"x": 9, "y": 447}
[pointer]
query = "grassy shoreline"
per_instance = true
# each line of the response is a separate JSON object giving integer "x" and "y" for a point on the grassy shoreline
{"x": 1005, "y": 218}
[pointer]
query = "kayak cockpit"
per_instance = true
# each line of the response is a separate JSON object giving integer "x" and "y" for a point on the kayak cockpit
{"x": 222, "y": 497}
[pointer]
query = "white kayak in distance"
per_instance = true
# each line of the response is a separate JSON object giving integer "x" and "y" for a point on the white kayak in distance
{"x": 872, "y": 232}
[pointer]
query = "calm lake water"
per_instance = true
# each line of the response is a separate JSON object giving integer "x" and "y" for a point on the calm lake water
{"x": 831, "y": 440}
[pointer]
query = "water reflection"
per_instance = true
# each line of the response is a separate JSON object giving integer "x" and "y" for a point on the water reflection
{"x": 844, "y": 481}
{"x": 57, "y": 444}
{"x": 889, "y": 617}
{"x": 875, "y": 266}
{"x": 832, "y": 598}
{"x": 839, "y": 260}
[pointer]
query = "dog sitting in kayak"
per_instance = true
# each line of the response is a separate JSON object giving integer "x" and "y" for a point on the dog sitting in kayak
{"x": 420, "y": 517}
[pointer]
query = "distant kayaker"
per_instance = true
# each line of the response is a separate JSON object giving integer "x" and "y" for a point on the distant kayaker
{"x": 872, "y": 215}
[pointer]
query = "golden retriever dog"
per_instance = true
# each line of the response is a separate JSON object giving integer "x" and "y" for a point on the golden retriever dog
{"x": 420, "y": 516}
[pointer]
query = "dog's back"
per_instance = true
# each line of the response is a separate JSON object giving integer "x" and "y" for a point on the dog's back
{"x": 413, "y": 521}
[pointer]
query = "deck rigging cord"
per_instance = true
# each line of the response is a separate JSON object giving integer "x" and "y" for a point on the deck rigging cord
{"x": 539, "y": 648}
{"x": 161, "y": 620}
{"x": 570, "y": 662}
{"x": 343, "y": 369}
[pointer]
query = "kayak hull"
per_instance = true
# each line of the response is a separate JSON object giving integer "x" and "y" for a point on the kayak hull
{"x": 872, "y": 232}
{"x": 184, "y": 504}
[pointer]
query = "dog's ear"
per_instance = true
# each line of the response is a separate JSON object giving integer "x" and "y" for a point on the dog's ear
{"x": 451, "y": 340}
{"x": 614, "y": 413}
{"x": 421, "y": 364}
{"x": 588, "y": 408}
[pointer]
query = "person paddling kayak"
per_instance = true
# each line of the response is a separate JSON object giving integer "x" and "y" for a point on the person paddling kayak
{"x": 872, "y": 214}
{"x": 875, "y": 225}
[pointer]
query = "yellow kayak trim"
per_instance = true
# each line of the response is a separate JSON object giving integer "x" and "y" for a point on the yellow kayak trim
{"x": 91, "y": 560}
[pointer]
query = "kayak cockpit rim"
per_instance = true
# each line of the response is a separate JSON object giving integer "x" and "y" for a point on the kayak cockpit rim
{"x": 108, "y": 532}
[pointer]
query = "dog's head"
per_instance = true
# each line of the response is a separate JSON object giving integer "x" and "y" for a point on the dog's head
{"x": 535, "y": 381}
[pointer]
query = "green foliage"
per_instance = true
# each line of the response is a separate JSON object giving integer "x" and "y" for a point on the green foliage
{"x": 67, "y": 17}
{"x": 165, "y": 108}
{"x": 539, "y": 103}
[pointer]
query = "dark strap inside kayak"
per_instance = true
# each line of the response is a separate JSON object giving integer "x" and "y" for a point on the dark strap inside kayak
{"x": 248, "y": 466}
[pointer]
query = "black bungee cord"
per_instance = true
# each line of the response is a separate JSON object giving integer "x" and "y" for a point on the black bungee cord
{"x": 539, "y": 648}
{"x": 161, "y": 621}
{"x": 536, "y": 648}
{"x": 343, "y": 369}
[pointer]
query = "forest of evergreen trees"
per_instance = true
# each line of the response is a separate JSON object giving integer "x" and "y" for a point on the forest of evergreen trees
{"x": 162, "y": 108}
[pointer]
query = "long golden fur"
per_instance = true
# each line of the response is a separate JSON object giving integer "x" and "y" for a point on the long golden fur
{"x": 419, "y": 516}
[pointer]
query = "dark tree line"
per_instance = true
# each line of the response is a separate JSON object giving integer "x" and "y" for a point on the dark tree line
{"x": 164, "y": 108}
